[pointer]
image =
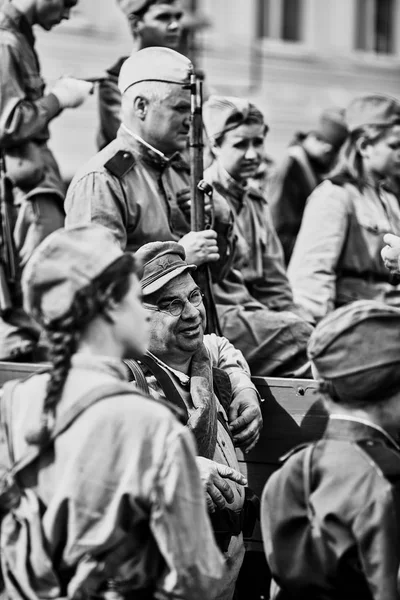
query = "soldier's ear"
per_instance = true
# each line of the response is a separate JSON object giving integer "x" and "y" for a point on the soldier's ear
{"x": 363, "y": 146}
{"x": 140, "y": 107}
{"x": 215, "y": 149}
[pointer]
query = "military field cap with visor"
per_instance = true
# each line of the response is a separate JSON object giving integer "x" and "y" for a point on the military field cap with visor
{"x": 155, "y": 64}
{"x": 67, "y": 261}
{"x": 372, "y": 109}
{"x": 357, "y": 349}
{"x": 225, "y": 113}
{"x": 159, "y": 263}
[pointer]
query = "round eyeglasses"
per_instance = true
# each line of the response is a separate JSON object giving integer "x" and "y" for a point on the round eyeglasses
{"x": 177, "y": 306}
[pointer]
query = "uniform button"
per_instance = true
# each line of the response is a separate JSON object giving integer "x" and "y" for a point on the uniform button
{"x": 370, "y": 443}
{"x": 223, "y": 443}
{"x": 125, "y": 155}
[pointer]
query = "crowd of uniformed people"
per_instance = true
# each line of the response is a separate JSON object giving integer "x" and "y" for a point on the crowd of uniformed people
{"x": 119, "y": 473}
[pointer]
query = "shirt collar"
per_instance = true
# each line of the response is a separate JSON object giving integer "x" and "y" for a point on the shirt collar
{"x": 237, "y": 190}
{"x": 104, "y": 364}
{"x": 344, "y": 426}
{"x": 182, "y": 377}
{"x": 147, "y": 152}
{"x": 20, "y": 22}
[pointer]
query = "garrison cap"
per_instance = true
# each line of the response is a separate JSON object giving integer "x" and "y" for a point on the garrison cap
{"x": 67, "y": 261}
{"x": 159, "y": 263}
{"x": 132, "y": 7}
{"x": 332, "y": 127}
{"x": 372, "y": 109}
{"x": 224, "y": 113}
{"x": 155, "y": 64}
{"x": 357, "y": 349}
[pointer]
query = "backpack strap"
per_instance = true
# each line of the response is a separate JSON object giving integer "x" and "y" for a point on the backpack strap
{"x": 138, "y": 376}
{"x": 307, "y": 465}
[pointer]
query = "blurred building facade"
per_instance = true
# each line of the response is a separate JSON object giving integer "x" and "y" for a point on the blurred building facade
{"x": 292, "y": 57}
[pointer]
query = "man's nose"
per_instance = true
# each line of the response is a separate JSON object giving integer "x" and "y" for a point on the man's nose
{"x": 190, "y": 311}
{"x": 251, "y": 153}
{"x": 173, "y": 24}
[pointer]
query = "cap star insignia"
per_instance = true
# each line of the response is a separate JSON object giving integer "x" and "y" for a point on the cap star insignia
{"x": 166, "y": 262}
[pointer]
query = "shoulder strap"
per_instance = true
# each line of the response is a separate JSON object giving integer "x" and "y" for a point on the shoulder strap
{"x": 138, "y": 376}
{"x": 385, "y": 458}
{"x": 121, "y": 163}
{"x": 307, "y": 464}
{"x": 168, "y": 386}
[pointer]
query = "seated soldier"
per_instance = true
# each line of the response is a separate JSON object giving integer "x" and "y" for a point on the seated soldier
{"x": 209, "y": 379}
{"x": 254, "y": 300}
{"x": 330, "y": 515}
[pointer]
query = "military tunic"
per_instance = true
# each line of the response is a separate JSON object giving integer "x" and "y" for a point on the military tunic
{"x": 38, "y": 192}
{"x": 123, "y": 473}
{"x": 25, "y": 109}
{"x": 339, "y": 539}
{"x": 131, "y": 188}
{"x": 336, "y": 259}
{"x": 254, "y": 300}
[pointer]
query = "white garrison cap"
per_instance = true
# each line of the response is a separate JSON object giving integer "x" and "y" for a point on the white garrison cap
{"x": 155, "y": 64}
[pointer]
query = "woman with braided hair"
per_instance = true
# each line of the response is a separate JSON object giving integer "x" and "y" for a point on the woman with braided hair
{"x": 121, "y": 504}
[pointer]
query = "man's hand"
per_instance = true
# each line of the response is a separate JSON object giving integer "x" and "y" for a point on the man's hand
{"x": 71, "y": 92}
{"x": 245, "y": 419}
{"x": 200, "y": 246}
{"x": 184, "y": 201}
{"x": 391, "y": 252}
{"x": 213, "y": 476}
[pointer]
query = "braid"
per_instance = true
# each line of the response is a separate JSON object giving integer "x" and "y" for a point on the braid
{"x": 63, "y": 335}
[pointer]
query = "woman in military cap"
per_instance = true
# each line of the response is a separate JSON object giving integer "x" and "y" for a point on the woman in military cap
{"x": 121, "y": 505}
{"x": 336, "y": 259}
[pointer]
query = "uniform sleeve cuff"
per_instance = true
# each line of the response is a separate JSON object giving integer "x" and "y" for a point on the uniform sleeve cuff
{"x": 51, "y": 104}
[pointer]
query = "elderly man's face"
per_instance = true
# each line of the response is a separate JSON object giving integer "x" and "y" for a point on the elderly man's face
{"x": 175, "y": 338}
{"x": 160, "y": 25}
{"x": 167, "y": 122}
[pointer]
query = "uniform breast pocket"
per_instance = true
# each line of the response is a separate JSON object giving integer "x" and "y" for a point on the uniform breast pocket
{"x": 367, "y": 244}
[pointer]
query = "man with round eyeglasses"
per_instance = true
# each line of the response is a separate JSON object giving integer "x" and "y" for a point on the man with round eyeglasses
{"x": 209, "y": 380}
{"x": 177, "y": 306}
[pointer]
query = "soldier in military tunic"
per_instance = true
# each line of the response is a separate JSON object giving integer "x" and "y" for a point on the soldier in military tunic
{"x": 133, "y": 186}
{"x": 26, "y": 109}
{"x": 330, "y": 515}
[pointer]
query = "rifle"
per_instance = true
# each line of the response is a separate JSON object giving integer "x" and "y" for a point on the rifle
{"x": 199, "y": 188}
{"x": 8, "y": 266}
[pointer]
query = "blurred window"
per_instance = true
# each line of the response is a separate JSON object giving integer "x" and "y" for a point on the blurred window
{"x": 280, "y": 20}
{"x": 375, "y": 25}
